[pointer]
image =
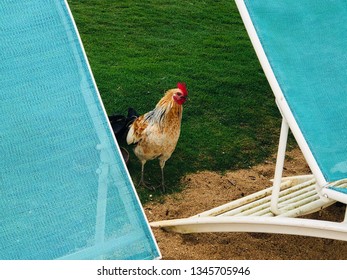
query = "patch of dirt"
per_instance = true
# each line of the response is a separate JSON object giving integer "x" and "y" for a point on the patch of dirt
{"x": 206, "y": 190}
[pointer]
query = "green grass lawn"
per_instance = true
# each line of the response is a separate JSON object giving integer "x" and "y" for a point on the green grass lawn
{"x": 139, "y": 49}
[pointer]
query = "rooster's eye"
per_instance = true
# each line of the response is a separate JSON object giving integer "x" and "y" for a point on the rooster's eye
{"x": 178, "y": 93}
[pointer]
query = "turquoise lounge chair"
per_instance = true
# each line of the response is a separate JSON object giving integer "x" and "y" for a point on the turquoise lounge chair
{"x": 65, "y": 192}
{"x": 302, "y": 47}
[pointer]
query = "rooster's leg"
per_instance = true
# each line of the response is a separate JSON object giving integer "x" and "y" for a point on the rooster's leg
{"x": 162, "y": 164}
{"x": 142, "y": 171}
{"x": 162, "y": 179}
{"x": 142, "y": 181}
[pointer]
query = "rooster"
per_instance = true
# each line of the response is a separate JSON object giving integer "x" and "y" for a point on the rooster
{"x": 155, "y": 134}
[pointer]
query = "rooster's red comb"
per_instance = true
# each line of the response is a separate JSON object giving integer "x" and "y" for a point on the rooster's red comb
{"x": 183, "y": 88}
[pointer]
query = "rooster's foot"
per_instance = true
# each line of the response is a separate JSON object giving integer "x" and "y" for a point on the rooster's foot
{"x": 161, "y": 187}
{"x": 143, "y": 184}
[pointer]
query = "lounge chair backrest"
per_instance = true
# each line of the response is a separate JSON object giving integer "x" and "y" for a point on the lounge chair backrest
{"x": 305, "y": 43}
{"x": 65, "y": 191}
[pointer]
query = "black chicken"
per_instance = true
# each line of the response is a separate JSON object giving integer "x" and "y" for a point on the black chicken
{"x": 120, "y": 124}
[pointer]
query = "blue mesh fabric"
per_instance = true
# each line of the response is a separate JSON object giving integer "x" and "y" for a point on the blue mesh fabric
{"x": 306, "y": 42}
{"x": 64, "y": 188}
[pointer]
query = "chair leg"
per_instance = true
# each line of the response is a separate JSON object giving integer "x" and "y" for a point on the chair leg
{"x": 279, "y": 167}
{"x": 345, "y": 219}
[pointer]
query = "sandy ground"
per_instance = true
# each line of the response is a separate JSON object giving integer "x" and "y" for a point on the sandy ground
{"x": 206, "y": 190}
